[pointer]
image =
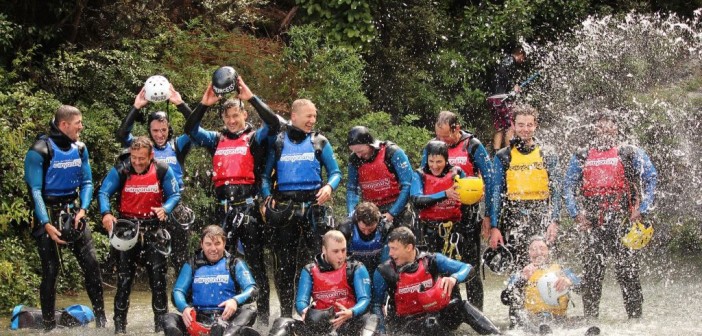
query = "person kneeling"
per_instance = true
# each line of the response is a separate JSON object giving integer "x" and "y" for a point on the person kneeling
{"x": 221, "y": 288}
{"x": 421, "y": 286}
{"x": 340, "y": 291}
{"x": 540, "y": 290}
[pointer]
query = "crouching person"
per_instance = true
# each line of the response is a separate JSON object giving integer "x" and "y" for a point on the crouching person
{"x": 424, "y": 299}
{"x": 339, "y": 291}
{"x": 220, "y": 288}
{"x": 539, "y": 291}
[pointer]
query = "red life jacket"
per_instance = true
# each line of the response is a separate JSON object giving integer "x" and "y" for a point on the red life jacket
{"x": 140, "y": 193}
{"x": 378, "y": 184}
{"x": 459, "y": 156}
{"x": 233, "y": 162}
{"x": 329, "y": 288}
{"x": 603, "y": 173}
{"x": 446, "y": 209}
{"x": 408, "y": 287}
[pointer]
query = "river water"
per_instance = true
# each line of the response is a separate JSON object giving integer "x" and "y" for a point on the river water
{"x": 672, "y": 292}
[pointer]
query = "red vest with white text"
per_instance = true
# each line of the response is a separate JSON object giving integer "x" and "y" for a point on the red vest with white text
{"x": 233, "y": 162}
{"x": 329, "y": 288}
{"x": 459, "y": 156}
{"x": 408, "y": 288}
{"x": 378, "y": 184}
{"x": 603, "y": 173}
{"x": 446, "y": 209}
{"x": 140, "y": 193}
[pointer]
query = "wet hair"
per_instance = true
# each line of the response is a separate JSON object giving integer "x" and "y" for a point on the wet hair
{"x": 299, "y": 103}
{"x": 403, "y": 235}
{"x": 366, "y": 212}
{"x": 525, "y": 110}
{"x": 334, "y": 235}
{"x": 141, "y": 142}
{"x": 447, "y": 118}
{"x": 231, "y": 103}
{"x": 435, "y": 147}
{"x": 66, "y": 113}
{"x": 359, "y": 135}
{"x": 518, "y": 49}
{"x": 213, "y": 232}
{"x": 158, "y": 115}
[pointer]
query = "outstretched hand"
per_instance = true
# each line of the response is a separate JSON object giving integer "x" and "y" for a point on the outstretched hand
{"x": 209, "y": 98}
{"x": 140, "y": 99}
{"x": 244, "y": 91}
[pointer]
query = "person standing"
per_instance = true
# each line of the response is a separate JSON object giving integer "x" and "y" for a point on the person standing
{"x": 237, "y": 151}
{"x": 55, "y": 168}
{"x": 296, "y": 194}
{"x": 617, "y": 184}
{"x": 378, "y": 172}
{"x": 148, "y": 192}
{"x": 504, "y": 81}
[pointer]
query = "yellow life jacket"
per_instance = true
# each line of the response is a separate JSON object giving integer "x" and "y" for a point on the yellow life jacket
{"x": 527, "y": 178}
{"x": 534, "y": 304}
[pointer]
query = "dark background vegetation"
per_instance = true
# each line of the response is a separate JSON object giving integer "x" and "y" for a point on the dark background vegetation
{"x": 388, "y": 64}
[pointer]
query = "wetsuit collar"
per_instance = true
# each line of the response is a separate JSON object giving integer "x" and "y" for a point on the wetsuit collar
{"x": 201, "y": 259}
{"x": 521, "y": 146}
{"x": 295, "y": 134}
{"x": 323, "y": 265}
{"x": 464, "y": 135}
{"x": 410, "y": 267}
{"x": 59, "y": 138}
{"x": 236, "y": 135}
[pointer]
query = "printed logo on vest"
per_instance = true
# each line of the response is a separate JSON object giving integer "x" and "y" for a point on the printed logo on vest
{"x": 67, "y": 164}
{"x": 232, "y": 151}
{"x": 415, "y": 288}
{"x": 142, "y": 189}
{"x": 170, "y": 160}
{"x": 222, "y": 278}
{"x": 297, "y": 157}
{"x": 378, "y": 184}
{"x": 460, "y": 160}
{"x": 602, "y": 162}
{"x": 331, "y": 294}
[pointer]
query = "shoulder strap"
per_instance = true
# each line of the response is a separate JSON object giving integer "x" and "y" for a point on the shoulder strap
{"x": 390, "y": 149}
{"x": 351, "y": 267}
{"x": 318, "y": 142}
{"x": 278, "y": 145}
{"x": 161, "y": 170}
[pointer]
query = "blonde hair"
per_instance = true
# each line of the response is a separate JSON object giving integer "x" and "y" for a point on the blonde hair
{"x": 142, "y": 142}
{"x": 299, "y": 103}
{"x": 525, "y": 110}
{"x": 213, "y": 232}
{"x": 66, "y": 113}
{"x": 334, "y": 235}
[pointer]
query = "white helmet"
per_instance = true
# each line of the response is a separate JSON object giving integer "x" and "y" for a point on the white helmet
{"x": 124, "y": 234}
{"x": 547, "y": 289}
{"x": 157, "y": 89}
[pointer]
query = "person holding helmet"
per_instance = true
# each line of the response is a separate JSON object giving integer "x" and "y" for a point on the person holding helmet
{"x": 617, "y": 184}
{"x": 527, "y": 182}
{"x": 540, "y": 289}
{"x": 467, "y": 152}
{"x": 168, "y": 148}
{"x": 378, "y": 172}
{"x": 423, "y": 297}
{"x": 366, "y": 234}
{"x": 333, "y": 294}
{"x": 213, "y": 292}
{"x": 296, "y": 194}
{"x": 237, "y": 160}
{"x": 148, "y": 192}
{"x": 55, "y": 168}
{"x": 434, "y": 194}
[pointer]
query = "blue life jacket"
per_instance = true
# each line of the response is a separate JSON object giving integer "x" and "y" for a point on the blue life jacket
{"x": 367, "y": 252}
{"x": 64, "y": 172}
{"x": 168, "y": 155}
{"x": 213, "y": 284}
{"x": 298, "y": 167}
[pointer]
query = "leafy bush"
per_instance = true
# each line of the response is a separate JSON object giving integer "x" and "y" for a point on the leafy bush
{"x": 18, "y": 281}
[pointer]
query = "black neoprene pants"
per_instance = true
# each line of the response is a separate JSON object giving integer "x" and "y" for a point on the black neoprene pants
{"x": 245, "y": 316}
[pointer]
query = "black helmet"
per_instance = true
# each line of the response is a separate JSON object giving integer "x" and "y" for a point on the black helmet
{"x": 360, "y": 135}
{"x": 160, "y": 240}
{"x": 437, "y": 148}
{"x": 224, "y": 80}
{"x": 499, "y": 260}
{"x": 280, "y": 215}
{"x": 69, "y": 233}
{"x": 318, "y": 319}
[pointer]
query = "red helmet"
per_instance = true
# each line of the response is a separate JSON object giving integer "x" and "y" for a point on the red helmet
{"x": 433, "y": 299}
{"x": 195, "y": 328}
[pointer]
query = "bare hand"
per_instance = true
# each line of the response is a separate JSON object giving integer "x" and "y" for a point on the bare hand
{"x": 160, "y": 213}
{"x": 388, "y": 217}
{"x": 53, "y": 233}
{"x": 304, "y": 313}
{"x": 447, "y": 284}
{"x": 583, "y": 223}
{"x": 209, "y": 98}
{"x": 341, "y": 317}
{"x": 528, "y": 271}
{"x": 140, "y": 99}
{"x": 175, "y": 97}
{"x": 230, "y": 307}
{"x": 485, "y": 230}
{"x": 635, "y": 215}
{"x": 108, "y": 221}
{"x": 79, "y": 216}
{"x": 187, "y": 317}
{"x": 324, "y": 194}
{"x": 452, "y": 194}
{"x": 244, "y": 91}
{"x": 563, "y": 283}
{"x": 552, "y": 232}
{"x": 495, "y": 238}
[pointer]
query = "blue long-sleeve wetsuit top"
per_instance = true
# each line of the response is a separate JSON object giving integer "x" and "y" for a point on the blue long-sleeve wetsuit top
{"x": 639, "y": 165}
{"x": 481, "y": 159}
{"x": 361, "y": 287}
{"x": 240, "y": 271}
{"x": 35, "y": 160}
{"x": 499, "y": 182}
{"x": 417, "y": 196}
{"x": 326, "y": 159}
{"x": 403, "y": 172}
{"x": 114, "y": 182}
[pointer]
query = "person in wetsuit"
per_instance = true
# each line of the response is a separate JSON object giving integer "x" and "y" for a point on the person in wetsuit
{"x": 366, "y": 234}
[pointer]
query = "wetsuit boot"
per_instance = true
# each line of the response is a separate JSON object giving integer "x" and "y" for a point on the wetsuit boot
{"x": 120, "y": 323}
{"x": 100, "y": 319}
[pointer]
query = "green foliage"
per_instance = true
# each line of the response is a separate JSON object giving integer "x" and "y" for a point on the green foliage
{"x": 346, "y": 22}
{"x": 18, "y": 281}
{"x": 686, "y": 237}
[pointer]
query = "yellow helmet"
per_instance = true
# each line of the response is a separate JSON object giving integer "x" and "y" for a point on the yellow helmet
{"x": 639, "y": 236}
{"x": 470, "y": 189}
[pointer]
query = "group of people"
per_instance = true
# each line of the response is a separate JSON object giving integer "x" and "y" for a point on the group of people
{"x": 392, "y": 266}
